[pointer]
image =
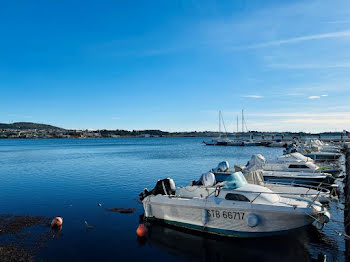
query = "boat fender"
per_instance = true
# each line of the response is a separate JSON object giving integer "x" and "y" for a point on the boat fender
{"x": 252, "y": 220}
{"x": 322, "y": 220}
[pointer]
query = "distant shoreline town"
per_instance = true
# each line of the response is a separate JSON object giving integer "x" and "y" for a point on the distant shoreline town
{"x": 36, "y": 130}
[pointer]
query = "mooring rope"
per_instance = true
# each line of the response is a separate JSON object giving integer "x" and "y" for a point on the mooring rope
{"x": 326, "y": 225}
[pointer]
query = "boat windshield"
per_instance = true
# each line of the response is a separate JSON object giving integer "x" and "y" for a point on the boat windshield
{"x": 234, "y": 180}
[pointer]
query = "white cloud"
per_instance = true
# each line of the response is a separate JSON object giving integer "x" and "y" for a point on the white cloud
{"x": 312, "y": 66}
{"x": 303, "y": 114}
{"x": 317, "y": 121}
{"x": 324, "y": 95}
{"x": 115, "y": 117}
{"x": 299, "y": 121}
{"x": 253, "y": 96}
{"x": 331, "y": 85}
{"x": 339, "y": 22}
{"x": 299, "y": 39}
{"x": 314, "y": 97}
{"x": 294, "y": 94}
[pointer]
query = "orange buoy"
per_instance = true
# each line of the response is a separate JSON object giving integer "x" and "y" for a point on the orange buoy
{"x": 141, "y": 231}
{"x": 57, "y": 222}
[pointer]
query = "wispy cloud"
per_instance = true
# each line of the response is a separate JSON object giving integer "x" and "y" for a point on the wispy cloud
{"x": 293, "y": 40}
{"x": 317, "y": 121}
{"x": 253, "y": 96}
{"x": 294, "y": 94}
{"x": 314, "y": 97}
{"x": 339, "y": 22}
{"x": 339, "y": 85}
{"x": 324, "y": 95}
{"x": 303, "y": 114}
{"x": 299, "y": 121}
{"x": 115, "y": 117}
{"x": 312, "y": 66}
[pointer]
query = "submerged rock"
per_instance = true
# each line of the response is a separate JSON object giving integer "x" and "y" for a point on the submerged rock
{"x": 21, "y": 236}
{"x": 121, "y": 210}
{"x": 12, "y": 224}
{"x": 13, "y": 253}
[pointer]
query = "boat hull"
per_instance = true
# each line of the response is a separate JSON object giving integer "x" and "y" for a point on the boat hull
{"x": 299, "y": 181}
{"x": 230, "y": 220}
{"x": 312, "y": 180}
{"x": 323, "y": 157}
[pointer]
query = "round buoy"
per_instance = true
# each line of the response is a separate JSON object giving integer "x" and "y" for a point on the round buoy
{"x": 57, "y": 222}
{"x": 141, "y": 231}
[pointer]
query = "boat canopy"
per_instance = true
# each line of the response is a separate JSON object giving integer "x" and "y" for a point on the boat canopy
{"x": 235, "y": 180}
{"x": 255, "y": 163}
{"x": 295, "y": 156}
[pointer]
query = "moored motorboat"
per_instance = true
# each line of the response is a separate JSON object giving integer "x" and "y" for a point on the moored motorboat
{"x": 294, "y": 162}
{"x": 231, "y": 208}
{"x": 236, "y": 143}
{"x": 277, "y": 144}
{"x": 323, "y": 156}
{"x": 302, "y": 178}
{"x": 251, "y": 143}
{"x": 314, "y": 153}
{"x": 289, "y": 188}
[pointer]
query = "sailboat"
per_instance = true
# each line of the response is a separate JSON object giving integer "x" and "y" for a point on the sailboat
{"x": 225, "y": 141}
{"x": 221, "y": 140}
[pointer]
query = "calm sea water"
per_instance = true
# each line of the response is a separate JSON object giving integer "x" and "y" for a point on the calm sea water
{"x": 69, "y": 177}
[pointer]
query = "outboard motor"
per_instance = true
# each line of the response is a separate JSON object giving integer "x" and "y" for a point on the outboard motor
{"x": 208, "y": 179}
{"x": 164, "y": 186}
{"x": 223, "y": 166}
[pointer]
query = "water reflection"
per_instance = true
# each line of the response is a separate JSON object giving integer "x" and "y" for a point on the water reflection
{"x": 193, "y": 246}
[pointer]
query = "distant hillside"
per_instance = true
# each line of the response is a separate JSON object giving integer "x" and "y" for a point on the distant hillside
{"x": 28, "y": 125}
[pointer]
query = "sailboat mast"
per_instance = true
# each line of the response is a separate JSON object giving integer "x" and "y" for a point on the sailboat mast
{"x": 219, "y": 121}
{"x": 242, "y": 121}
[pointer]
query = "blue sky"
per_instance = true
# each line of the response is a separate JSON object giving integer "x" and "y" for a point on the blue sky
{"x": 172, "y": 65}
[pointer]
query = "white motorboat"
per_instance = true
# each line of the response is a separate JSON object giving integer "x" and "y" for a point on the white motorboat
{"x": 323, "y": 156}
{"x": 312, "y": 152}
{"x": 251, "y": 142}
{"x": 236, "y": 143}
{"x": 290, "y": 189}
{"x": 318, "y": 145}
{"x": 277, "y": 144}
{"x": 301, "y": 178}
{"x": 232, "y": 208}
{"x": 294, "y": 162}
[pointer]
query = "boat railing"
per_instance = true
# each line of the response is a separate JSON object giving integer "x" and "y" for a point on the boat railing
{"x": 281, "y": 194}
{"x": 319, "y": 187}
